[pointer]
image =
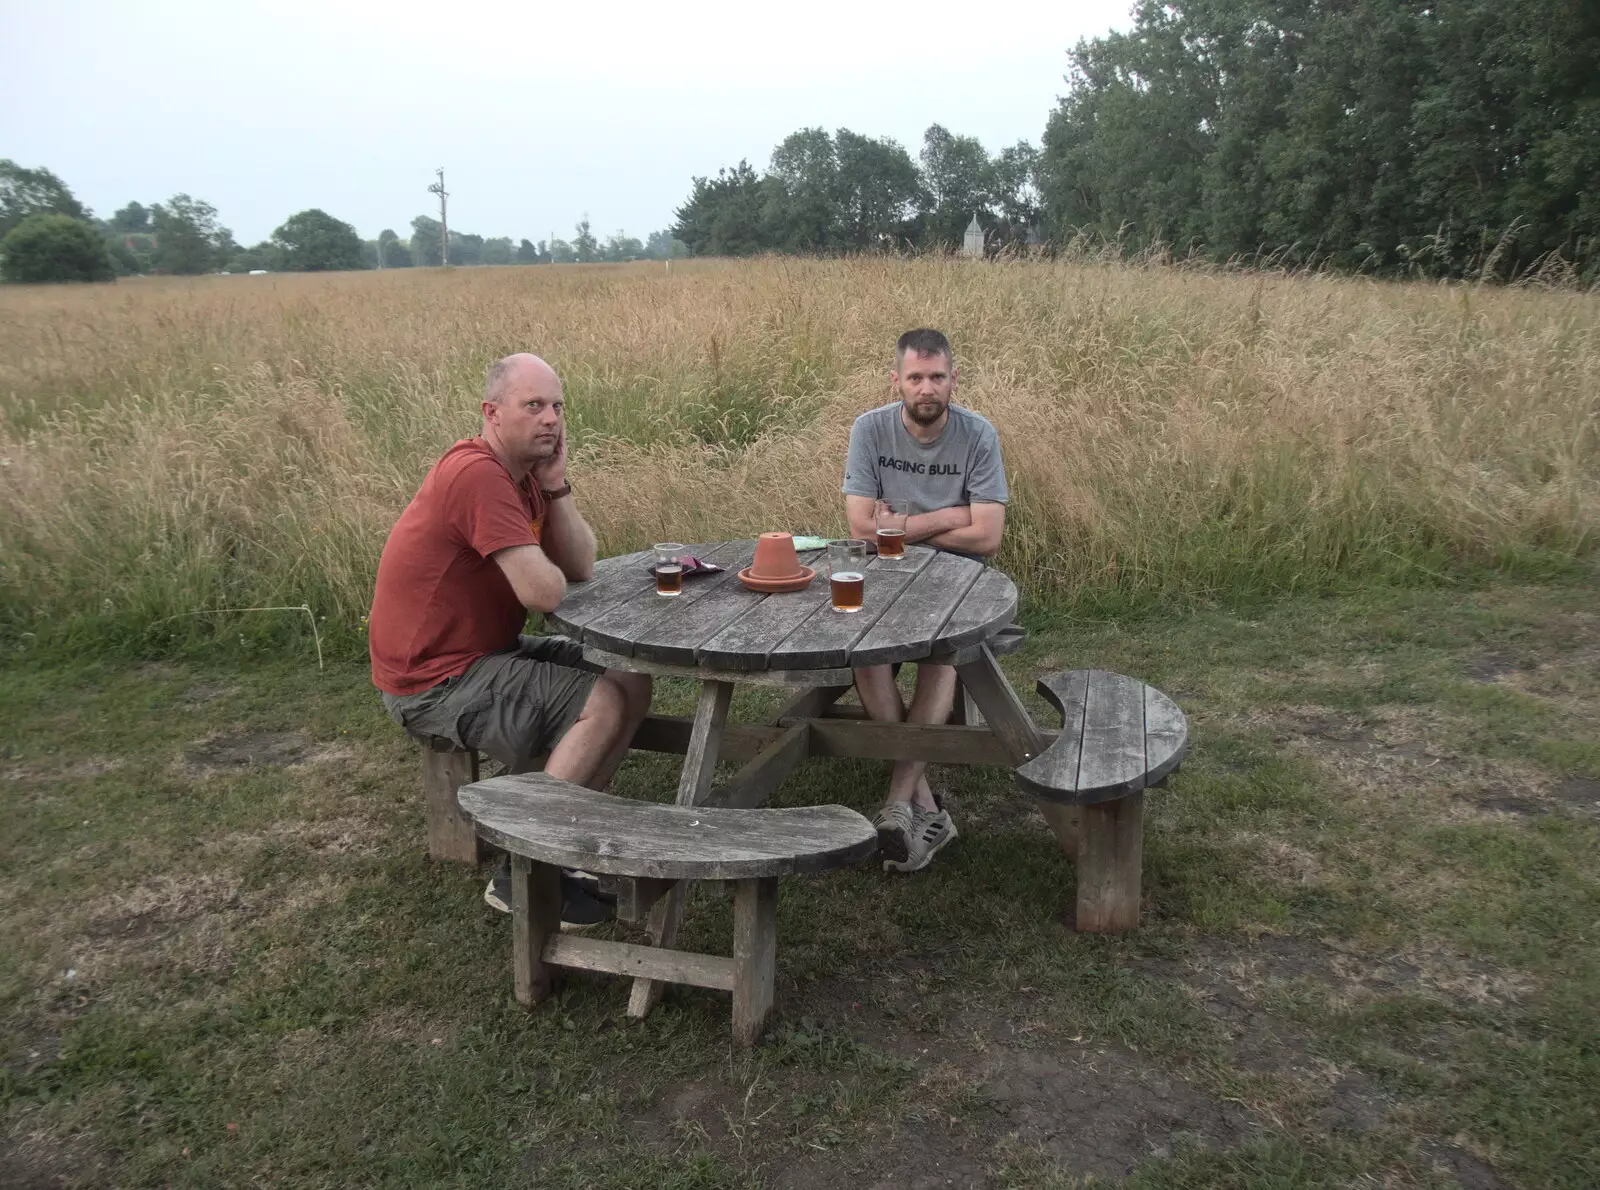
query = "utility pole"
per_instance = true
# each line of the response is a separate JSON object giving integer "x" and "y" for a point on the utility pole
{"x": 444, "y": 223}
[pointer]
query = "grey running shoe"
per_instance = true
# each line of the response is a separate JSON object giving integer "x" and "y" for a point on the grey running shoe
{"x": 930, "y": 830}
{"x": 894, "y": 822}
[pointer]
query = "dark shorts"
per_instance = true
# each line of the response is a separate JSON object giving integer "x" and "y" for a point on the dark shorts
{"x": 512, "y": 706}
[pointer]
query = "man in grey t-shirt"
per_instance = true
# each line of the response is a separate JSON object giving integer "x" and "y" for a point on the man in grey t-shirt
{"x": 944, "y": 462}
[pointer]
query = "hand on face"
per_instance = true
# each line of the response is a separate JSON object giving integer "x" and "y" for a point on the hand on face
{"x": 551, "y": 472}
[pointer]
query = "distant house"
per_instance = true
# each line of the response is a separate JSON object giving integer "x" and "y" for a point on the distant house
{"x": 972, "y": 243}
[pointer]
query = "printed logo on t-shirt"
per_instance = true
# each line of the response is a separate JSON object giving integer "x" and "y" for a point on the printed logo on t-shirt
{"x": 885, "y": 463}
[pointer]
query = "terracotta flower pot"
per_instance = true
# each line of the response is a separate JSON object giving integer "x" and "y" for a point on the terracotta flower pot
{"x": 775, "y": 557}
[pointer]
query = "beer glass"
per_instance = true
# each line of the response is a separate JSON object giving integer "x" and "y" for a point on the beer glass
{"x": 847, "y": 563}
{"x": 669, "y": 568}
{"x": 891, "y": 515}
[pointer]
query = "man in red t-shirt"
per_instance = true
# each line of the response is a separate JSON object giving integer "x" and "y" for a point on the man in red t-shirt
{"x": 492, "y": 534}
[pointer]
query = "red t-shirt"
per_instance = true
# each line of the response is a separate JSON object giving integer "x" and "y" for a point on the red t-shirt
{"x": 441, "y": 601}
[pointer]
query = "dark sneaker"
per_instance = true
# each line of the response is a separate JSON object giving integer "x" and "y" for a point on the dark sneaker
{"x": 894, "y": 822}
{"x": 582, "y": 903}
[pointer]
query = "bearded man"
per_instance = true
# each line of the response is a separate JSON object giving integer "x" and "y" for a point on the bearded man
{"x": 943, "y": 463}
{"x": 493, "y": 533}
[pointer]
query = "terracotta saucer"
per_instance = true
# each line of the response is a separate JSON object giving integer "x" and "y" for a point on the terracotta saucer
{"x": 773, "y": 586}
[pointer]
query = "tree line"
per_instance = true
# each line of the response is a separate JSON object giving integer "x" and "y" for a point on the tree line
{"x": 845, "y": 192}
{"x": 1451, "y": 138}
{"x": 46, "y": 234}
{"x": 1447, "y": 138}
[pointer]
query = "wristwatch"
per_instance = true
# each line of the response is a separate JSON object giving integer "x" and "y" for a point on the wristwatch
{"x": 564, "y": 490}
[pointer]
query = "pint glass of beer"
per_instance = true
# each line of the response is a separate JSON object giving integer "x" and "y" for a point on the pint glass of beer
{"x": 847, "y": 563}
{"x": 891, "y": 515}
{"x": 669, "y": 568}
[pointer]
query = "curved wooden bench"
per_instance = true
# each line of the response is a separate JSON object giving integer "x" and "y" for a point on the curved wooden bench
{"x": 547, "y": 824}
{"x": 1118, "y": 737}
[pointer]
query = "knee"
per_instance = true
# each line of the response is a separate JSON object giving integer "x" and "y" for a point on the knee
{"x": 608, "y": 703}
{"x": 636, "y": 691}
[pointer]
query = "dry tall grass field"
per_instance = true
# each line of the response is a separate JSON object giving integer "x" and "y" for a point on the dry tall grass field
{"x": 174, "y": 445}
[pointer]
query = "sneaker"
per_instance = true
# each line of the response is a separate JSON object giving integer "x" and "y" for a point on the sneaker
{"x": 894, "y": 821}
{"x": 582, "y": 903}
{"x": 931, "y": 830}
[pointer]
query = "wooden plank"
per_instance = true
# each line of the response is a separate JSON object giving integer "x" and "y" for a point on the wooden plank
{"x": 671, "y": 733}
{"x": 906, "y": 630}
{"x": 1053, "y": 774}
{"x": 616, "y": 579}
{"x": 538, "y": 816}
{"x": 636, "y": 895}
{"x": 1166, "y": 735}
{"x": 674, "y": 638}
{"x": 617, "y": 628}
{"x": 535, "y": 918}
{"x": 1112, "y": 760}
{"x": 641, "y": 962}
{"x": 809, "y": 704}
{"x": 1002, "y": 709}
{"x": 665, "y": 918}
{"x": 988, "y": 607}
{"x": 826, "y": 638}
{"x": 1065, "y": 822}
{"x": 755, "y": 951}
{"x": 760, "y": 677}
{"x": 743, "y": 644}
{"x": 937, "y": 743}
{"x": 756, "y": 782}
{"x": 1110, "y": 856}
{"x": 705, "y": 742}
{"x": 450, "y": 832}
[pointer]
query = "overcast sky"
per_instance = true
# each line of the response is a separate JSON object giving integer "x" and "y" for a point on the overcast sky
{"x": 537, "y": 112}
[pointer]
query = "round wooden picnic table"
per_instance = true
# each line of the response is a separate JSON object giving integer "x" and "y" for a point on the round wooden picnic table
{"x": 923, "y": 605}
{"x": 928, "y": 605}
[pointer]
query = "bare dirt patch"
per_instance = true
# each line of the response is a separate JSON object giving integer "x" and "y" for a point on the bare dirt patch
{"x": 244, "y": 750}
{"x": 1580, "y": 793}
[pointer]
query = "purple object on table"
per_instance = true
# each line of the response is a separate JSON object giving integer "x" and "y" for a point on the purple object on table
{"x": 691, "y": 567}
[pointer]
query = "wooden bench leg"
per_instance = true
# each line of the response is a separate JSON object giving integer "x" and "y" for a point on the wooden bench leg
{"x": 1110, "y": 856}
{"x": 450, "y": 832}
{"x": 1065, "y": 822}
{"x": 535, "y": 917}
{"x": 755, "y": 950}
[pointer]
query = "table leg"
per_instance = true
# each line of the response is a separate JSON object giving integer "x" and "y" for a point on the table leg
{"x": 755, "y": 948}
{"x": 699, "y": 767}
{"x": 986, "y": 683}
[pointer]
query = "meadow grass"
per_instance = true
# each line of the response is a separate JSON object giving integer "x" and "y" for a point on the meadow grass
{"x": 172, "y": 446}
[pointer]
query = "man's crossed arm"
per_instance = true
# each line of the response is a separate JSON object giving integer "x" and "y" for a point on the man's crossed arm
{"x": 539, "y": 574}
{"x": 970, "y": 528}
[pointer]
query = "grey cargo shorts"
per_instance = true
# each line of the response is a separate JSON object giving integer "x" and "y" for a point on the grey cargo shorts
{"x": 513, "y": 705}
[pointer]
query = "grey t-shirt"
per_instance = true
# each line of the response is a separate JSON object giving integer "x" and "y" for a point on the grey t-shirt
{"x": 961, "y": 466}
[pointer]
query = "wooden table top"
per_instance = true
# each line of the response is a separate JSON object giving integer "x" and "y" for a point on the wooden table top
{"x": 925, "y": 604}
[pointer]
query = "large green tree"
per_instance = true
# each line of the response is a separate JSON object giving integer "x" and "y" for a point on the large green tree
{"x": 1381, "y": 135}
{"x": 50, "y": 247}
{"x": 313, "y": 241}
{"x": 877, "y": 192}
{"x": 188, "y": 237}
{"x": 427, "y": 245}
{"x": 25, "y": 192}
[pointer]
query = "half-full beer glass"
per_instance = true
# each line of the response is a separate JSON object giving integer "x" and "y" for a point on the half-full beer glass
{"x": 847, "y": 577}
{"x": 669, "y": 568}
{"x": 891, "y": 516}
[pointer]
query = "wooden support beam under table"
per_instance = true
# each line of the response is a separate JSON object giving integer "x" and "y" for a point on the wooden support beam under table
{"x": 699, "y": 767}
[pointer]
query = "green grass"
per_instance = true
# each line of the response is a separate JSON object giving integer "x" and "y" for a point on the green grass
{"x": 1357, "y": 966}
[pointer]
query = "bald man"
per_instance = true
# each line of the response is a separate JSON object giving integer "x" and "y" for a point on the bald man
{"x": 494, "y": 533}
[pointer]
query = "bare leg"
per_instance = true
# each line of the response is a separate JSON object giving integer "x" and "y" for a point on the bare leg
{"x": 932, "y": 703}
{"x": 636, "y": 690}
{"x": 593, "y": 746}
